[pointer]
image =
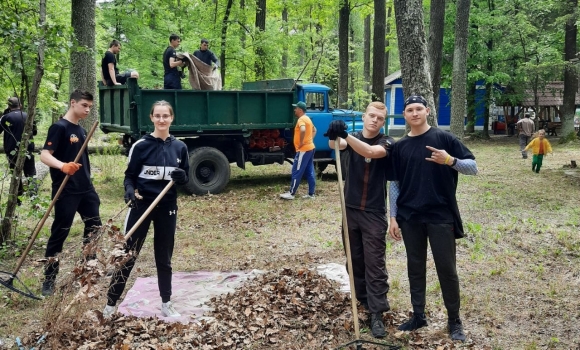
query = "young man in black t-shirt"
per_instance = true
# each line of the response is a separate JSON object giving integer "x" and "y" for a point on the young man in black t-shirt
{"x": 109, "y": 72}
{"x": 426, "y": 164}
{"x": 365, "y": 195}
{"x": 172, "y": 76}
{"x": 63, "y": 142}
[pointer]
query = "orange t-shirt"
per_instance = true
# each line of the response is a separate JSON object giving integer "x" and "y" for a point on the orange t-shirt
{"x": 308, "y": 136}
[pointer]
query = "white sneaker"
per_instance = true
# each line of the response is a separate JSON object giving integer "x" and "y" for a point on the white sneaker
{"x": 307, "y": 196}
{"x": 168, "y": 310}
{"x": 108, "y": 311}
{"x": 287, "y": 195}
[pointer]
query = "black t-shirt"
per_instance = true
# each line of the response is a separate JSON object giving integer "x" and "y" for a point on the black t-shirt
{"x": 12, "y": 125}
{"x": 206, "y": 56}
{"x": 427, "y": 189}
{"x": 66, "y": 140}
{"x": 109, "y": 58}
{"x": 366, "y": 183}
{"x": 169, "y": 52}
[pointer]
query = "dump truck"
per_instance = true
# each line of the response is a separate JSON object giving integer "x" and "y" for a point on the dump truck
{"x": 253, "y": 125}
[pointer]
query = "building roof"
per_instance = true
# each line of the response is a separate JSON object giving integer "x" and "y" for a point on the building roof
{"x": 392, "y": 77}
{"x": 549, "y": 96}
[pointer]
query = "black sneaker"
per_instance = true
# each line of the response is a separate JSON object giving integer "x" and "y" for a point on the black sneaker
{"x": 377, "y": 325}
{"x": 415, "y": 322}
{"x": 456, "y": 330}
{"x": 48, "y": 287}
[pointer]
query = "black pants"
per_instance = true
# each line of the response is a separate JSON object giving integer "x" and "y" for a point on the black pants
{"x": 29, "y": 171}
{"x": 367, "y": 237}
{"x": 442, "y": 242}
{"x": 87, "y": 205}
{"x": 172, "y": 81}
{"x": 164, "y": 218}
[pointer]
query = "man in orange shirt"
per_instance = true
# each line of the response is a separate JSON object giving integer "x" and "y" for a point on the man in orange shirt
{"x": 304, "y": 159}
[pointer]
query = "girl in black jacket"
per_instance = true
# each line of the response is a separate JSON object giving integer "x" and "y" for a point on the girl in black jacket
{"x": 154, "y": 160}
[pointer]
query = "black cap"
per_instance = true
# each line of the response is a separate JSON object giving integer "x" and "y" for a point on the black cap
{"x": 13, "y": 102}
{"x": 415, "y": 99}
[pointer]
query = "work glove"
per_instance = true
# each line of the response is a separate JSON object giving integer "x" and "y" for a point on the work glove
{"x": 336, "y": 128}
{"x": 70, "y": 168}
{"x": 130, "y": 196}
{"x": 179, "y": 176}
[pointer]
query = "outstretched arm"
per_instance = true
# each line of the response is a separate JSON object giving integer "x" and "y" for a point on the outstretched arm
{"x": 394, "y": 230}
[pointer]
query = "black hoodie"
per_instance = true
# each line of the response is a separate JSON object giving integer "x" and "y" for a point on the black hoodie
{"x": 151, "y": 161}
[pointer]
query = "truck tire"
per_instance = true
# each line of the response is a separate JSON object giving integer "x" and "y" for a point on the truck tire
{"x": 209, "y": 171}
{"x": 320, "y": 167}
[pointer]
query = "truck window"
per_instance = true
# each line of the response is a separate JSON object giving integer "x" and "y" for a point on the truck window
{"x": 314, "y": 102}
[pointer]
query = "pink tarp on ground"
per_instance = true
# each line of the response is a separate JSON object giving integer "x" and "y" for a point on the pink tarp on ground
{"x": 192, "y": 290}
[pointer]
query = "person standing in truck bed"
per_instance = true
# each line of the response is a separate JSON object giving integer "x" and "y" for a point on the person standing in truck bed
{"x": 172, "y": 76}
{"x": 205, "y": 55}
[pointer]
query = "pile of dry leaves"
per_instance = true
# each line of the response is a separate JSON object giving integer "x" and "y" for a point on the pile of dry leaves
{"x": 284, "y": 309}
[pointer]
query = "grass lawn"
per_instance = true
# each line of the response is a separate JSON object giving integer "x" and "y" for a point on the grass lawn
{"x": 519, "y": 266}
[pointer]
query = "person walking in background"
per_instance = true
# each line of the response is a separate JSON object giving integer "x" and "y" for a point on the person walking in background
{"x": 172, "y": 76}
{"x": 526, "y": 129}
{"x": 365, "y": 194}
{"x": 154, "y": 160}
{"x": 12, "y": 125}
{"x": 206, "y": 56}
{"x": 540, "y": 146}
{"x": 303, "y": 165}
{"x": 64, "y": 141}
{"x": 424, "y": 211}
{"x": 109, "y": 72}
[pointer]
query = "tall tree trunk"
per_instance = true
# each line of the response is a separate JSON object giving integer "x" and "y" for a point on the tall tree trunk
{"x": 225, "y": 26}
{"x": 285, "y": 42}
{"x": 436, "y": 30}
{"x": 28, "y": 127}
{"x": 379, "y": 51}
{"x": 387, "y": 43}
{"x": 459, "y": 84}
{"x": 570, "y": 77}
{"x": 413, "y": 53}
{"x": 343, "y": 21}
{"x": 471, "y": 107}
{"x": 352, "y": 59}
{"x": 260, "y": 65}
{"x": 367, "y": 53}
{"x": 82, "y": 58}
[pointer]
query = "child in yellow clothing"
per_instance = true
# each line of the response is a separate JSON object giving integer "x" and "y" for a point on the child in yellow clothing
{"x": 540, "y": 146}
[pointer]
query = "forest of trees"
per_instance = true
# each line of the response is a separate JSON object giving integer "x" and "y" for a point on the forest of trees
{"x": 350, "y": 45}
{"x": 513, "y": 43}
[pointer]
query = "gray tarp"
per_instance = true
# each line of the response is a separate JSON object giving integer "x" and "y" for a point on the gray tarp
{"x": 201, "y": 75}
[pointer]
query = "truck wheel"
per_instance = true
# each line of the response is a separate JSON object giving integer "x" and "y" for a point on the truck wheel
{"x": 209, "y": 171}
{"x": 320, "y": 167}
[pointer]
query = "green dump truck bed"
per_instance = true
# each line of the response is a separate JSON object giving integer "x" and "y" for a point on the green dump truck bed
{"x": 126, "y": 108}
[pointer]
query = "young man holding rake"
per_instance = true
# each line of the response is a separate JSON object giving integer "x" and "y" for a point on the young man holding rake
{"x": 365, "y": 194}
{"x": 423, "y": 209}
{"x": 64, "y": 141}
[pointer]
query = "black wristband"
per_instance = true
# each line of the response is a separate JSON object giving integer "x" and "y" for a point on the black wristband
{"x": 454, "y": 162}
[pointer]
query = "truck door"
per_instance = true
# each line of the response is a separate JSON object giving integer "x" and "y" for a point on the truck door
{"x": 317, "y": 110}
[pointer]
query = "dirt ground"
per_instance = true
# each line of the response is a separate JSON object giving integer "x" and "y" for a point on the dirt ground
{"x": 519, "y": 265}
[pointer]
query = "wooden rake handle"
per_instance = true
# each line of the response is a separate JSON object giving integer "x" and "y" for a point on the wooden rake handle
{"x": 346, "y": 239}
{"x": 148, "y": 211}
